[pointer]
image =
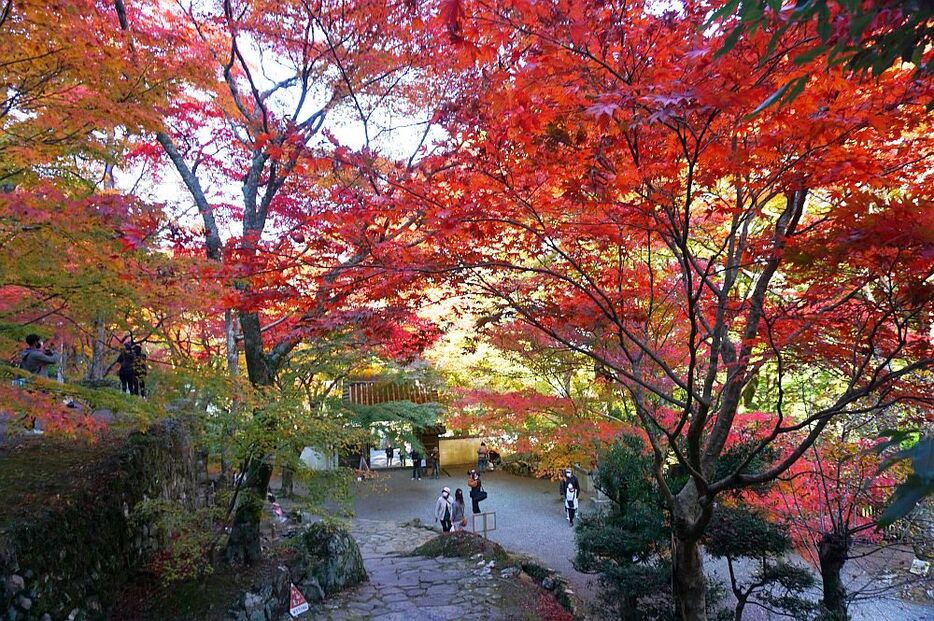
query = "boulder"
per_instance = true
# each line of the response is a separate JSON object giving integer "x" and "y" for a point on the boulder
{"x": 328, "y": 561}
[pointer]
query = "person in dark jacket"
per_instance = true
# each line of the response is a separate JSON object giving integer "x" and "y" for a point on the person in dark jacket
{"x": 477, "y": 493}
{"x": 434, "y": 457}
{"x": 140, "y": 370}
{"x": 127, "y": 371}
{"x": 37, "y": 359}
{"x": 416, "y": 464}
{"x": 568, "y": 478}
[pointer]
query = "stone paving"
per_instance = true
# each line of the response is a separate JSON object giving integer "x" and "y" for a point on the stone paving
{"x": 530, "y": 517}
{"x": 408, "y": 588}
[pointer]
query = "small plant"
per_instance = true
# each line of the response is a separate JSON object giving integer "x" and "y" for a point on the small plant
{"x": 184, "y": 538}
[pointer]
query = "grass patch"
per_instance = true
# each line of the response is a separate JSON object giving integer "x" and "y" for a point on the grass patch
{"x": 463, "y": 544}
{"x": 525, "y": 600}
{"x": 39, "y": 473}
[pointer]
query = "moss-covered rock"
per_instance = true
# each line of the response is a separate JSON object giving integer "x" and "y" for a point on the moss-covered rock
{"x": 328, "y": 561}
{"x": 463, "y": 544}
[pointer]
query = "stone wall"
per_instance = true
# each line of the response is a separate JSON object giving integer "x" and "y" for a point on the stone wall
{"x": 65, "y": 558}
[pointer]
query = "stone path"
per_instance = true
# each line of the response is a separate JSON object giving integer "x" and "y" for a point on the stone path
{"x": 405, "y": 588}
{"x": 530, "y": 518}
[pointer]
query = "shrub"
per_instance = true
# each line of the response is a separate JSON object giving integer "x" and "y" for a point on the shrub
{"x": 183, "y": 538}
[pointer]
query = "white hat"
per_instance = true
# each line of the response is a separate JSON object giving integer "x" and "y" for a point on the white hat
{"x": 446, "y": 489}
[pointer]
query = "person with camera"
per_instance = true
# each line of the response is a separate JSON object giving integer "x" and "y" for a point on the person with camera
{"x": 37, "y": 359}
{"x": 477, "y": 493}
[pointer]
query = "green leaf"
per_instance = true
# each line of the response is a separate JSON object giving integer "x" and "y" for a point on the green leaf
{"x": 922, "y": 459}
{"x": 730, "y": 42}
{"x": 751, "y": 13}
{"x": 810, "y": 55}
{"x": 796, "y": 90}
{"x": 858, "y": 24}
{"x": 776, "y": 36}
{"x": 823, "y": 23}
{"x": 726, "y": 9}
{"x": 770, "y": 100}
{"x": 906, "y": 497}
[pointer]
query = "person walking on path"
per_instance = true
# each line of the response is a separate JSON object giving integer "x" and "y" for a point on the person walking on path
{"x": 570, "y": 502}
{"x": 435, "y": 458}
{"x": 390, "y": 451}
{"x": 477, "y": 493}
{"x": 568, "y": 478}
{"x": 483, "y": 457}
{"x": 35, "y": 358}
{"x": 444, "y": 510}
{"x": 416, "y": 464}
{"x": 458, "y": 511}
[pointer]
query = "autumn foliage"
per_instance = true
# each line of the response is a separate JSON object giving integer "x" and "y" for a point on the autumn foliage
{"x": 239, "y": 181}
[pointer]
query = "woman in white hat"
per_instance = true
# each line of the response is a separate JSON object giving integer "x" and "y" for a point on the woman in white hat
{"x": 443, "y": 509}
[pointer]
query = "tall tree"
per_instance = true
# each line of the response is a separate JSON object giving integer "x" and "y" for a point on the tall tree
{"x": 618, "y": 197}
{"x": 292, "y": 244}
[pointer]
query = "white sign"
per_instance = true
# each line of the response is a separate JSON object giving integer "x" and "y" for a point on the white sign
{"x": 919, "y": 567}
{"x": 297, "y": 603}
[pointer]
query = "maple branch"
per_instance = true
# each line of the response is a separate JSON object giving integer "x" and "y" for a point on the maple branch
{"x": 121, "y": 14}
{"x": 214, "y": 245}
{"x": 784, "y": 227}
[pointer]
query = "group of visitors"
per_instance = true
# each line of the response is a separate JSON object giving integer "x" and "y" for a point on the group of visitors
{"x": 450, "y": 513}
{"x": 132, "y": 369}
{"x": 433, "y": 460}
{"x": 487, "y": 458}
{"x": 39, "y": 356}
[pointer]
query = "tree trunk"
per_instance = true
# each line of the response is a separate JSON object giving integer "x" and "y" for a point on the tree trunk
{"x": 688, "y": 584}
{"x": 256, "y": 365}
{"x": 832, "y": 553}
{"x": 98, "y": 348}
{"x": 230, "y": 332}
{"x": 243, "y": 546}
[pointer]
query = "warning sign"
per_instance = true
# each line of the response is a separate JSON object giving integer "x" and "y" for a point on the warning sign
{"x": 297, "y": 603}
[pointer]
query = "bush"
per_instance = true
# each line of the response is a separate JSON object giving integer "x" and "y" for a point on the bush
{"x": 628, "y": 544}
{"x": 738, "y": 532}
{"x": 522, "y": 464}
{"x": 183, "y": 538}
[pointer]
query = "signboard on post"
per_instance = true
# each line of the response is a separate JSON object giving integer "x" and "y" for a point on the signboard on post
{"x": 487, "y": 522}
{"x": 297, "y": 603}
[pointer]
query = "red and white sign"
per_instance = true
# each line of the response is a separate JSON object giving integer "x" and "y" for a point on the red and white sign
{"x": 297, "y": 604}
